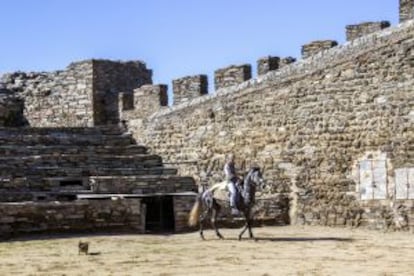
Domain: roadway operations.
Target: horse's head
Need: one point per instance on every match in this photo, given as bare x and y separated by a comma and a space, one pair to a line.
256, 178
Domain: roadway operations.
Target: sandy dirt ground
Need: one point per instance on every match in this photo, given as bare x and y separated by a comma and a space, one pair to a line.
288, 250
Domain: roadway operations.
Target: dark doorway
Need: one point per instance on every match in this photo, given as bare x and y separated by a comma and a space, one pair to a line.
65, 183
160, 214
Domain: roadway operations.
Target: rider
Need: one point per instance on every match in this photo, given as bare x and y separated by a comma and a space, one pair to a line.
232, 181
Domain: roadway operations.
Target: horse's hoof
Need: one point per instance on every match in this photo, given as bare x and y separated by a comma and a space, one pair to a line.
240, 238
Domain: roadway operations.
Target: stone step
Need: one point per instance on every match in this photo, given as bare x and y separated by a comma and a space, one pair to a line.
100, 130
133, 171
8, 163
56, 171
28, 184
142, 184
138, 184
66, 139
19, 150
19, 196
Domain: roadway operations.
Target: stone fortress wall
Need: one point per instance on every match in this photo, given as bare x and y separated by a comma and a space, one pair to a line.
333, 131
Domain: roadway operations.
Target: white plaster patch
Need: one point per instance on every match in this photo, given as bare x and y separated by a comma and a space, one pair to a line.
309, 151
411, 115
381, 100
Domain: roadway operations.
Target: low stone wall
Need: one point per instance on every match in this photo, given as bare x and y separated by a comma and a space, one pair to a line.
182, 208
272, 210
142, 184
269, 210
75, 216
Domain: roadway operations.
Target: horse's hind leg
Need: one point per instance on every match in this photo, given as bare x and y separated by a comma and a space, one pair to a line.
215, 211
202, 217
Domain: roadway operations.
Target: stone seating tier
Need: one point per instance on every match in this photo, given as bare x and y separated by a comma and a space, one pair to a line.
18, 150
43, 164
56, 171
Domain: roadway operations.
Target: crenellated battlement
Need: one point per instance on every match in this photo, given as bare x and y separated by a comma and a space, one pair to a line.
232, 75
96, 92
406, 10
143, 102
365, 28
188, 88
266, 64
316, 47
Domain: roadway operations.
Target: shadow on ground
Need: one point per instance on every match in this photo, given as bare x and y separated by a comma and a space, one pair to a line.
294, 239
307, 239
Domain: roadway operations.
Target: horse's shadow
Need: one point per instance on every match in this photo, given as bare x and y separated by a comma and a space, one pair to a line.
303, 239
296, 239
94, 253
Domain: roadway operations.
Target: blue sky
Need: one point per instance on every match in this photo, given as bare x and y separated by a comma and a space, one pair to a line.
175, 38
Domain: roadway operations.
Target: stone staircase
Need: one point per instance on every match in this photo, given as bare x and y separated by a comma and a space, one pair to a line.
45, 164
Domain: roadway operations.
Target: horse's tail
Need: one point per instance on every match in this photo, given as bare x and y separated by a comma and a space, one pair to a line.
195, 212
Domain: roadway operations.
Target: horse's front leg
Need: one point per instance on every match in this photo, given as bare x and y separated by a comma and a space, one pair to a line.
214, 215
247, 226
250, 228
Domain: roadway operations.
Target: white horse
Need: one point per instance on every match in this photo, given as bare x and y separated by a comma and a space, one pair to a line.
206, 203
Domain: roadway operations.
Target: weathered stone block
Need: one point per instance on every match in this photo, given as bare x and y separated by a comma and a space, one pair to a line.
358, 30
317, 46
286, 61
188, 88
232, 75
406, 10
267, 64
